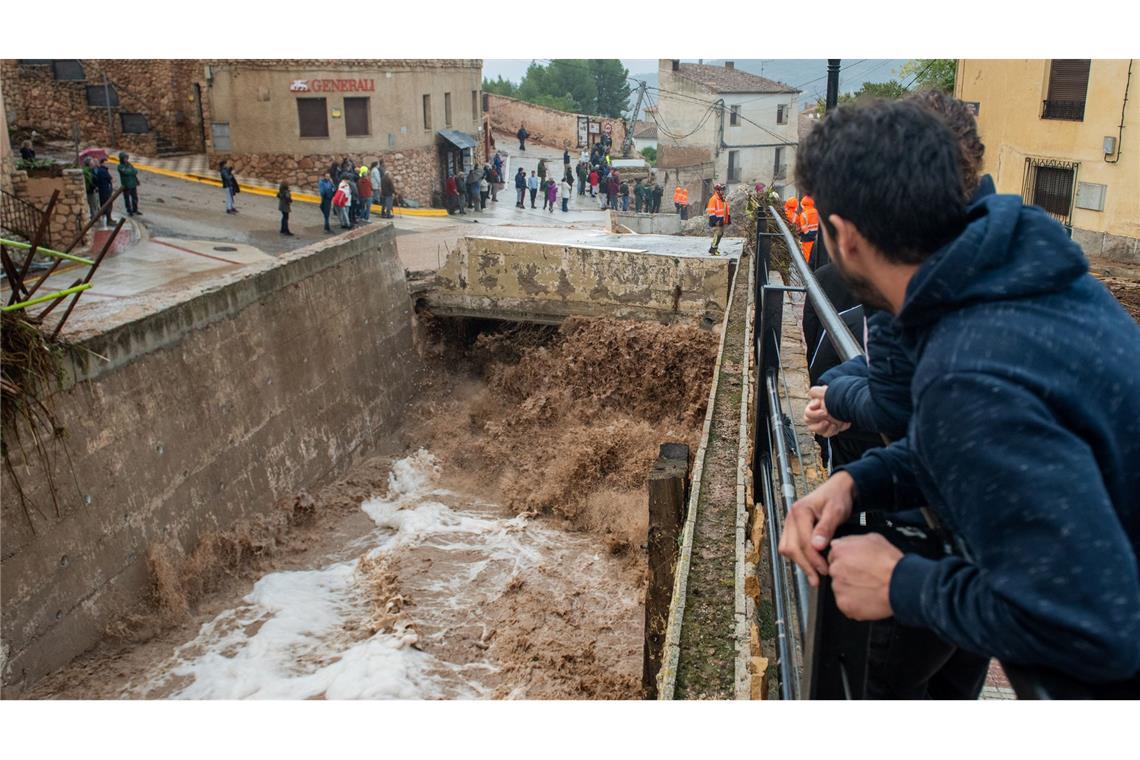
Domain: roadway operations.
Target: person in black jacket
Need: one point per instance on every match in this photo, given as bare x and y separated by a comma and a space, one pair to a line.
522, 134
105, 186
1020, 437
229, 184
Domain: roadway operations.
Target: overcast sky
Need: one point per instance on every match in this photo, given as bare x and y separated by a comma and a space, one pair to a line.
514, 68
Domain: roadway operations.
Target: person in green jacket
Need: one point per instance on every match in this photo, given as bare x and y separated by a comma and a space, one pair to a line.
89, 187
638, 196
129, 181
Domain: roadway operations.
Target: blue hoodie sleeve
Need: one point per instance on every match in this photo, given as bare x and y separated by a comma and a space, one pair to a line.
854, 367
884, 478
1052, 579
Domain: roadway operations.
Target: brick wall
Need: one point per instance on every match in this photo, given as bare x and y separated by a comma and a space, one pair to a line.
545, 125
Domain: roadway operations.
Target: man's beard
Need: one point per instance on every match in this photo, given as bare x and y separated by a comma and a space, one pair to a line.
860, 286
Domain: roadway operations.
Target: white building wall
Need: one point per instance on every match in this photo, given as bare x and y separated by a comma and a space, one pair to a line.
683, 106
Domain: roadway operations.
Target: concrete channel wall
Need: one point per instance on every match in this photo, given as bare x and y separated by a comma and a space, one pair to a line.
201, 414
547, 282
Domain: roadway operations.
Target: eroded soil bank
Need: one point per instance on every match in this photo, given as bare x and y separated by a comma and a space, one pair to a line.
499, 553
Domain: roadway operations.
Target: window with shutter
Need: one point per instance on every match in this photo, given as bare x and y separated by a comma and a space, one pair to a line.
312, 115
356, 117
1050, 184
134, 123
1068, 87
99, 96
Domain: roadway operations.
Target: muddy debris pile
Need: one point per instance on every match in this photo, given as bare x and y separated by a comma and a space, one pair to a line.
569, 424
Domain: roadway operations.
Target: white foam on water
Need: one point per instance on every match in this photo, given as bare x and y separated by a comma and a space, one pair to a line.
304, 634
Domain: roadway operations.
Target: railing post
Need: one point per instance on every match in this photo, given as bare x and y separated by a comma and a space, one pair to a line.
667, 485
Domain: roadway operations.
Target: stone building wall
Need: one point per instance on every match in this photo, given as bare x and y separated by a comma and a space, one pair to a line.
70, 212
545, 125
160, 89
416, 171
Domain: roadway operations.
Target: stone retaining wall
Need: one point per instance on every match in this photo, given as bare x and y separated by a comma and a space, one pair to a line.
545, 125
222, 401
417, 171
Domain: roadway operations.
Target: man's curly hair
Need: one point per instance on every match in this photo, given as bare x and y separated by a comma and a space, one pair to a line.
961, 122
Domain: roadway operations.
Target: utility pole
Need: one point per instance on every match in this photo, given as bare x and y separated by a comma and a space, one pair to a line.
832, 83
110, 119
627, 143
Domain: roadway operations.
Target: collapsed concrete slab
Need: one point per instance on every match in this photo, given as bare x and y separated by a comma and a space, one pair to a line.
670, 280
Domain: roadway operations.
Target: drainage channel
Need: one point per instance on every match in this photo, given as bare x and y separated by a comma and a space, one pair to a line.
499, 555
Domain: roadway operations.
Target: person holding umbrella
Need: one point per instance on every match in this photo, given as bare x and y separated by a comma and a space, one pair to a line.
105, 187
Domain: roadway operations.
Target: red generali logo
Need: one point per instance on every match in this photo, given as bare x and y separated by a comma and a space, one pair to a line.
333, 85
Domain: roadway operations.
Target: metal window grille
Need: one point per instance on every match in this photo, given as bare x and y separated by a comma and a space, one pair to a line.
1050, 184
133, 123
1068, 89
99, 96
68, 71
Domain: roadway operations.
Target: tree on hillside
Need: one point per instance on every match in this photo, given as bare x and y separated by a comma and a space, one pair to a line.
611, 81
571, 84
891, 90
500, 87
649, 153
930, 74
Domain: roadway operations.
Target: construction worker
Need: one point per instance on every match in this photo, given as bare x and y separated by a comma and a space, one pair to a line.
718, 214
808, 223
790, 209
681, 201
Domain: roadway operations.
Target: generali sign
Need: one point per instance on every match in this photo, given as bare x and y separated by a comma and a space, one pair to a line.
333, 85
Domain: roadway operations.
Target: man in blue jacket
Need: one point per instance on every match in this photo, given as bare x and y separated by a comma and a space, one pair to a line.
1026, 421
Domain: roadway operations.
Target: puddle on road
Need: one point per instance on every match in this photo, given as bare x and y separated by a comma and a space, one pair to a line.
449, 598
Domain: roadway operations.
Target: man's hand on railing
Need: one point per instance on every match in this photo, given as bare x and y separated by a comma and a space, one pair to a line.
861, 568
816, 417
812, 522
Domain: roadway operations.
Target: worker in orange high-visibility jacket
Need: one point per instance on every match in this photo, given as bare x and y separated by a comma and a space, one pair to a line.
790, 206
808, 222
718, 214
681, 201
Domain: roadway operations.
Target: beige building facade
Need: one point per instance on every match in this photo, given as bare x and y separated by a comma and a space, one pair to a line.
1063, 134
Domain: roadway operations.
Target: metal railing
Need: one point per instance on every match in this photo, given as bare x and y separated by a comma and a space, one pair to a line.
20, 217
797, 604
1069, 110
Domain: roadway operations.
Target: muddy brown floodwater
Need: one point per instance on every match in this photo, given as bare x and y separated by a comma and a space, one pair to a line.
500, 554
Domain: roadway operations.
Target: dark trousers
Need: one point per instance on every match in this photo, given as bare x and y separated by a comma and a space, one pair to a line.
131, 199
581, 187
284, 221
522, 144
533, 194
565, 204
103, 198
483, 199
326, 208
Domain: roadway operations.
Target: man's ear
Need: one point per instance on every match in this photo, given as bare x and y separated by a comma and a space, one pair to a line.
847, 237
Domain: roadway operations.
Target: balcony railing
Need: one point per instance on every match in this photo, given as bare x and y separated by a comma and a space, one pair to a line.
1067, 110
